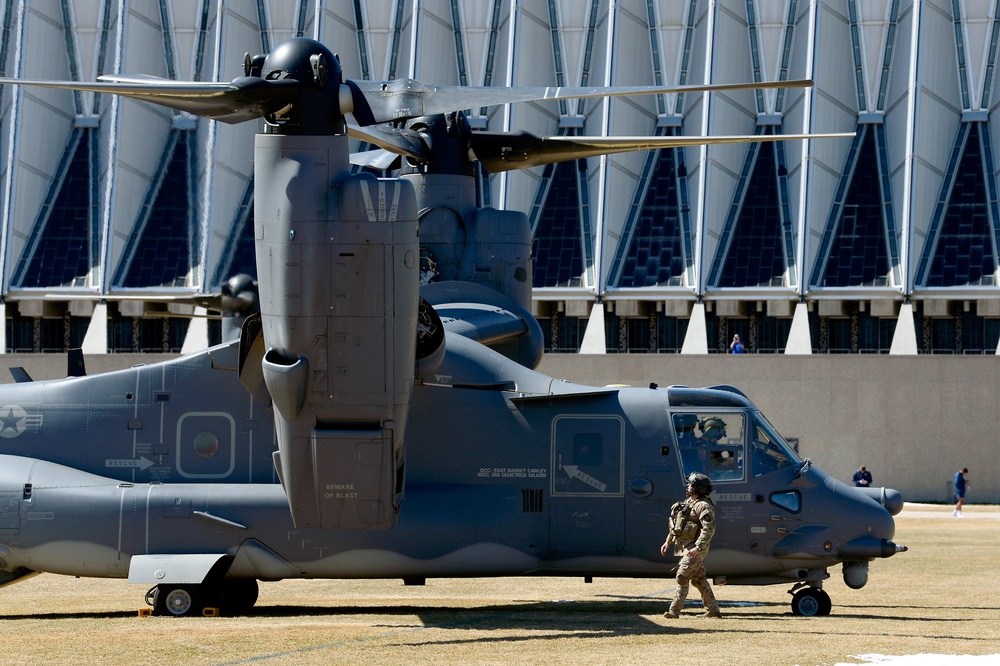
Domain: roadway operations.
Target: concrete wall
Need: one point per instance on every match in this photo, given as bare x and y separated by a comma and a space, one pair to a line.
912, 420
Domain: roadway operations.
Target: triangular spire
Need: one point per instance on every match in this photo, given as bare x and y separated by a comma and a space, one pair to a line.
977, 51
873, 28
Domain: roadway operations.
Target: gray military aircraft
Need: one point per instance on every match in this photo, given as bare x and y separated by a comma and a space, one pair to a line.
393, 425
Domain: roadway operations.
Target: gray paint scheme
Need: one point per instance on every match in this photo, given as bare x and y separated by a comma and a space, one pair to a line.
459, 461
470, 507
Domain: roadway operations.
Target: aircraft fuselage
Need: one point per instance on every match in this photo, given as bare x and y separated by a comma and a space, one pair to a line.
565, 480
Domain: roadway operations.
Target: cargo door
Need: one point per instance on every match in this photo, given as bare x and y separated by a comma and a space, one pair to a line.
587, 493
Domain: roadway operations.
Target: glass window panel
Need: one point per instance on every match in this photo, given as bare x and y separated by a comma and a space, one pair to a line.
858, 256
789, 500
710, 443
655, 256
755, 257
769, 451
163, 257
62, 257
556, 248
964, 253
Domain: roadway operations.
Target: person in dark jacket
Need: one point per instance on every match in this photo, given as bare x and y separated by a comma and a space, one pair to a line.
863, 478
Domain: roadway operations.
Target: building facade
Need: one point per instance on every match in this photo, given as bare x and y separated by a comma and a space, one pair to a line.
116, 214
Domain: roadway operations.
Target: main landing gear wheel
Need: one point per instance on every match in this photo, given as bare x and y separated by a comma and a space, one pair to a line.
810, 602
232, 596
176, 600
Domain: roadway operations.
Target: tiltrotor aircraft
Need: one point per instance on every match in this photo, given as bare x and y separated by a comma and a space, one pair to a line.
392, 424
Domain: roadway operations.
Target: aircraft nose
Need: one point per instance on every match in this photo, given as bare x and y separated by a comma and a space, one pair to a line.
873, 526
868, 527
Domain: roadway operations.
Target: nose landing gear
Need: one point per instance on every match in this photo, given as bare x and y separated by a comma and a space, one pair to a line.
809, 601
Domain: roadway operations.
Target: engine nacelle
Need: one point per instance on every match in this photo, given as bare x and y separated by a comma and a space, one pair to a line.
338, 264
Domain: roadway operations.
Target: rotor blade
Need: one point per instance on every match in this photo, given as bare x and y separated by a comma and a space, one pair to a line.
406, 98
499, 151
380, 158
397, 140
245, 98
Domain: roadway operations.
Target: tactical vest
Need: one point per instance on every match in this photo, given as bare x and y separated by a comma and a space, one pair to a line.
684, 526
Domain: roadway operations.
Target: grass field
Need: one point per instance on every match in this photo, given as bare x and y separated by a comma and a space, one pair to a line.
940, 597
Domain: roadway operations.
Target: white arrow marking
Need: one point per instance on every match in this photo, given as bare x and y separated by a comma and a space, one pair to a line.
142, 462
574, 473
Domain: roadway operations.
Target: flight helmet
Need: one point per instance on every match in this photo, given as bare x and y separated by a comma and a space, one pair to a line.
700, 484
683, 422
713, 428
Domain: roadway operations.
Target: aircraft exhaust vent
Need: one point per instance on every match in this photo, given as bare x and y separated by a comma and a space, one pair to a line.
531, 500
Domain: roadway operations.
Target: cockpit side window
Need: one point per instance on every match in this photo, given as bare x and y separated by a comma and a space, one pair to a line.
711, 443
789, 500
769, 451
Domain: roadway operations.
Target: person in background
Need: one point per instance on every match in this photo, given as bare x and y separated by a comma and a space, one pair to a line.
961, 485
736, 346
863, 478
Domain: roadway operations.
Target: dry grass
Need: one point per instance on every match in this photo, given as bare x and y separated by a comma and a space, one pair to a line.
940, 597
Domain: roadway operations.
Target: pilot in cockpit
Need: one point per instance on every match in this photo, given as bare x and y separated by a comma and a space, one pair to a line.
684, 424
688, 443
713, 430
724, 458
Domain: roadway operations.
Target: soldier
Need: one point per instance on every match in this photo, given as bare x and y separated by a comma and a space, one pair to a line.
692, 524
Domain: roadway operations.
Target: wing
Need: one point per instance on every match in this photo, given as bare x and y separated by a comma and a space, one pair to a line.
488, 317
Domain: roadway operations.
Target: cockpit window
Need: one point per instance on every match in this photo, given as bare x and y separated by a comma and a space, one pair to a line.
711, 443
768, 451
789, 500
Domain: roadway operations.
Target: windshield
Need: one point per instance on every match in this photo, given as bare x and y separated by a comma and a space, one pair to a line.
768, 451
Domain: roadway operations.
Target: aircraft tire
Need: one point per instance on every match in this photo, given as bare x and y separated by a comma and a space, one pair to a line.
811, 602
232, 596
177, 600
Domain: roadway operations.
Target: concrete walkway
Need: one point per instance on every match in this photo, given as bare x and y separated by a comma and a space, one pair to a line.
970, 512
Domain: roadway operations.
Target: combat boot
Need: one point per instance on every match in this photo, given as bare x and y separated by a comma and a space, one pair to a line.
711, 613
674, 611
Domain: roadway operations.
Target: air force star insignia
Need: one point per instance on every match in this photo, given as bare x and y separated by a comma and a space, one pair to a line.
12, 421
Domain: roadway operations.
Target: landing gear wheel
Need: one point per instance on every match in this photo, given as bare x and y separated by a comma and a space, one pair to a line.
811, 602
176, 600
232, 596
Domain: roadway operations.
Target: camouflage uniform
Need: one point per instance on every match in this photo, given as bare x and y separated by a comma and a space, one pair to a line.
692, 524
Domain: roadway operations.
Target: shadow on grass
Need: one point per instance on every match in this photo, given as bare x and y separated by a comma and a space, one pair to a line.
81, 615
614, 615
